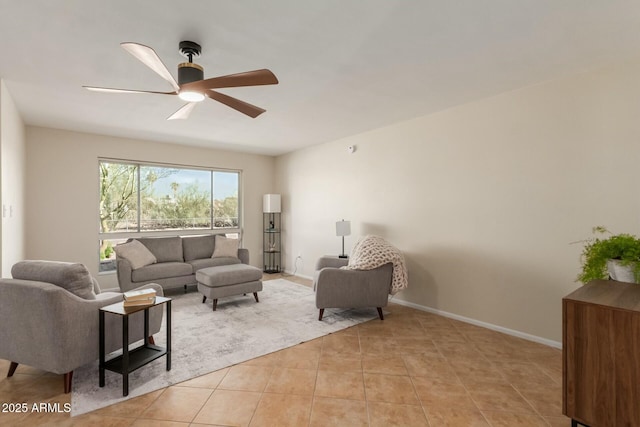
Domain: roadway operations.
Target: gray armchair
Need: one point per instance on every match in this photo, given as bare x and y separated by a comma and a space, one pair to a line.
48, 327
337, 288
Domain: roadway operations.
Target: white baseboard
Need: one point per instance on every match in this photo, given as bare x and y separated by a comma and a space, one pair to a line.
493, 327
512, 332
291, 273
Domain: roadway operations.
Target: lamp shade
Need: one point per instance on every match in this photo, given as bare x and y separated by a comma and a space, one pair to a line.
271, 203
343, 228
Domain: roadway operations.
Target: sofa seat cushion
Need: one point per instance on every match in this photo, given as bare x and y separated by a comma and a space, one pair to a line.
161, 271
225, 275
197, 247
74, 277
165, 249
199, 264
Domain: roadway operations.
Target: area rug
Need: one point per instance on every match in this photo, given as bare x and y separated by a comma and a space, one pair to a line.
204, 340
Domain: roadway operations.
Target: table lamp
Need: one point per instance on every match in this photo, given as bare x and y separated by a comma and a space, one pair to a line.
343, 228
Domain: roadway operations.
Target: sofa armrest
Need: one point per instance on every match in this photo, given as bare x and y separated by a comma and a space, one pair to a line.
243, 254
124, 270
338, 288
331, 261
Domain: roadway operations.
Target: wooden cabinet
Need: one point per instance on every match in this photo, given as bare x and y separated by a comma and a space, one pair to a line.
601, 354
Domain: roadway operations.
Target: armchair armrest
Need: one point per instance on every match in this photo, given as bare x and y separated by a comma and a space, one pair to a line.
330, 261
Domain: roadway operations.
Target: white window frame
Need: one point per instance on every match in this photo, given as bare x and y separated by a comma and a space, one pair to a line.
118, 235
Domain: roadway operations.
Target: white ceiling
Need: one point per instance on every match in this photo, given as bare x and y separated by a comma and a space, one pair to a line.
345, 66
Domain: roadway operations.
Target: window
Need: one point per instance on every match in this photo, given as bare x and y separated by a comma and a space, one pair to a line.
140, 198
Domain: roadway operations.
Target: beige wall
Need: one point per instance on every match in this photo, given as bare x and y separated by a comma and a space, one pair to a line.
62, 190
484, 199
12, 179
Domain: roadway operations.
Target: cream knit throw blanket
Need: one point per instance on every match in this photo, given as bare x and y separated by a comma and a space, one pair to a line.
372, 252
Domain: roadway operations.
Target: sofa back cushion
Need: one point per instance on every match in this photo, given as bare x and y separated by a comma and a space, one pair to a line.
197, 247
74, 277
165, 249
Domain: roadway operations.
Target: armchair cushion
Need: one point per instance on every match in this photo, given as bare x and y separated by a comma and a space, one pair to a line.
136, 253
74, 277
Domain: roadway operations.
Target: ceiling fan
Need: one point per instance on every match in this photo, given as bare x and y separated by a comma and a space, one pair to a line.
191, 85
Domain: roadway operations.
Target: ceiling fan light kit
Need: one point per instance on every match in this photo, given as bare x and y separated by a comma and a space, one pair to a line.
189, 96
191, 86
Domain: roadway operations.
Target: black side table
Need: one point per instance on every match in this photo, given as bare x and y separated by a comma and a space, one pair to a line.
130, 360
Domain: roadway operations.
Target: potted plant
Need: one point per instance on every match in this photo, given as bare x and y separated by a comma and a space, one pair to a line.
617, 256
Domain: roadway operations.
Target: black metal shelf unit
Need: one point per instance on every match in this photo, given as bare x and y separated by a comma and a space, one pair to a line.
271, 247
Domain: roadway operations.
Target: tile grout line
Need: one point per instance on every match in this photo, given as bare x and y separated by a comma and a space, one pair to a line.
148, 406
315, 383
210, 394
364, 386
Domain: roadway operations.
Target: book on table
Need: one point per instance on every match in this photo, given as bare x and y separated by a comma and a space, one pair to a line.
139, 302
141, 294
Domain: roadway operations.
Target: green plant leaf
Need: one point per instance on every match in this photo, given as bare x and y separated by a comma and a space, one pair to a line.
596, 252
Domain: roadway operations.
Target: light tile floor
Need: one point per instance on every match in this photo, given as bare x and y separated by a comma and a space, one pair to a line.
412, 369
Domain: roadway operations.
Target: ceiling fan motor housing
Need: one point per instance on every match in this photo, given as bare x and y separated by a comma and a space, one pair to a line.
189, 72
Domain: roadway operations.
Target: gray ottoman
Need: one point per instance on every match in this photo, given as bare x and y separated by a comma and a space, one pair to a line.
227, 280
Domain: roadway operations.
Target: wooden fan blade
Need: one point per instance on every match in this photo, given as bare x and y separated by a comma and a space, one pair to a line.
111, 90
236, 104
150, 58
183, 112
250, 78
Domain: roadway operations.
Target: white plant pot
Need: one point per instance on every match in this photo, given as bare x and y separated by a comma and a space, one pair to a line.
619, 272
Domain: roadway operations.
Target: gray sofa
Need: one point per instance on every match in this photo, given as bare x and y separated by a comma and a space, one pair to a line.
338, 288
177, 260
49, 318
